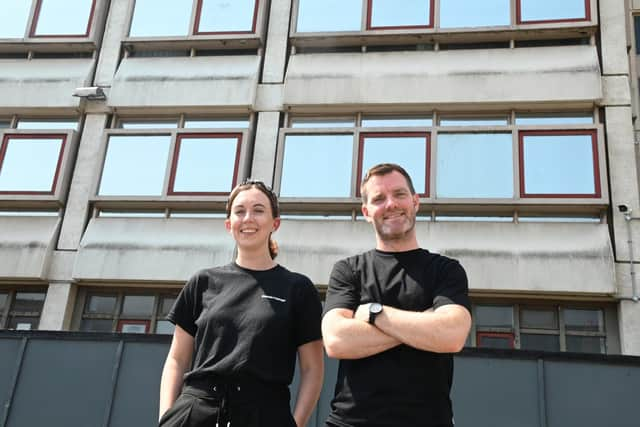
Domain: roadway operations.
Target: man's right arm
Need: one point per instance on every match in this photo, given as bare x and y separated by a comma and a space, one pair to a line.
348, 338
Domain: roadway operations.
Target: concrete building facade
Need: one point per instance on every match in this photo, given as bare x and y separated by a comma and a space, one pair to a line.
124, 124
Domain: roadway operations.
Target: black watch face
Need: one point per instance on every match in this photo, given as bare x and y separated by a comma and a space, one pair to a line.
375, 308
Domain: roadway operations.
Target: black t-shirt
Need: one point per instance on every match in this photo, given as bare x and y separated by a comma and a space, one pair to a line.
247, 322
402, 386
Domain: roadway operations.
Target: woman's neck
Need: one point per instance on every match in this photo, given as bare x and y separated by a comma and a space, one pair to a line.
252, 261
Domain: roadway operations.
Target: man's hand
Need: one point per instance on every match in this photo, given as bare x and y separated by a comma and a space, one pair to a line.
362, 312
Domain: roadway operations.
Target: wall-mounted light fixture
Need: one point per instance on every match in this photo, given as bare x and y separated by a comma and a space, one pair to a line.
92, 93
626, 211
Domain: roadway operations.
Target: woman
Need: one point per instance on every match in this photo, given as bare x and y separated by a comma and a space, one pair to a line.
238, 329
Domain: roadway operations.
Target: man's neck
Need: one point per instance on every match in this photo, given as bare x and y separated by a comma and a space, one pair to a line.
400, 245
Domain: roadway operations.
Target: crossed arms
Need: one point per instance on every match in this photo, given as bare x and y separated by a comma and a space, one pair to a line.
348, 334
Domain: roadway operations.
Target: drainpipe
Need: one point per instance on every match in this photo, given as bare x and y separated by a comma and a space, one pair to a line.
628, 218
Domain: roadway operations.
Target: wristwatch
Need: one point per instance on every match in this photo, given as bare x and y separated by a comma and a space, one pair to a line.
375, 308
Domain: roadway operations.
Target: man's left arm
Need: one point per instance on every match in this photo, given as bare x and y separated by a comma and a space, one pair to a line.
443, 330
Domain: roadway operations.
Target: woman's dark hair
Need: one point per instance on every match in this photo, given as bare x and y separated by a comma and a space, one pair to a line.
248, 184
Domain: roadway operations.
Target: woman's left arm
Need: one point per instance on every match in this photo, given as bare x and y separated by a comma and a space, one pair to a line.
311, 359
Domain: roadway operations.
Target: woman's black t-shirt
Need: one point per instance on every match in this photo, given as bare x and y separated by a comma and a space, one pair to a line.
247, 322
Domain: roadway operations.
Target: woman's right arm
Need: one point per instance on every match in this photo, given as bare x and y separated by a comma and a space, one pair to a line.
177, 363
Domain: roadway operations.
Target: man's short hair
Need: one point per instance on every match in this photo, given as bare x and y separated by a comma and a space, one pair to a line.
384, 169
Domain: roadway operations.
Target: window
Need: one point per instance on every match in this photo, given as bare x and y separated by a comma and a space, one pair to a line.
30, 163
420, 15
504, 157
317, 166
559, 164
540, 327
537, 11
471, 13
385, 14
51, 18
474, 165
153, 18
411, 150
126, 312
205, 163
154, 158
20, 309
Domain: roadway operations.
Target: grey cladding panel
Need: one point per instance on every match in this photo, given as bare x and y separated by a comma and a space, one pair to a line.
139, 375
9, 353
67, 382
495, 392
590, 395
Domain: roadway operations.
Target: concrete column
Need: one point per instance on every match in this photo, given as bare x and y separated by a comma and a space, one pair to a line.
623, 178
58, 306
277, 36
116, 29
629, 318
613, 18
87, 168
264, 153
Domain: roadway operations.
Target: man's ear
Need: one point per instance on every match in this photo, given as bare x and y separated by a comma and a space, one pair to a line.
365, 212
416, 202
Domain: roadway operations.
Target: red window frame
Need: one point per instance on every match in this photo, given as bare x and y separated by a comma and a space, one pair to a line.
427, 154
56, 175
176, 155
587, 15
36, 16
596, 164
399, 27
480, 335
122, 322
196, 25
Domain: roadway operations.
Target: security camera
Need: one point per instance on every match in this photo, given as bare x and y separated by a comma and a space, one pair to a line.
624, 208
93, 93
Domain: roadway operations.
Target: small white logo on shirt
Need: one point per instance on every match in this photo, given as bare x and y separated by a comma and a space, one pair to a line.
274, 298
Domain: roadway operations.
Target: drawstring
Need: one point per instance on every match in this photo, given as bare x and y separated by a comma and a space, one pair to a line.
223, 408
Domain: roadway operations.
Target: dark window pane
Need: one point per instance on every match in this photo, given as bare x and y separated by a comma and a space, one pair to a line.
317, 166
494, 316
101, 304
30, 163
96, 325
410, 152
583, 320
205, 164
137, 305
636, 24
27, 302
552, 10
539, 342
538, 319
386, 13
585, 344
218, 16
63, 17
165, 306
495, 342
473, 13
23, 323
164, 327
558, 164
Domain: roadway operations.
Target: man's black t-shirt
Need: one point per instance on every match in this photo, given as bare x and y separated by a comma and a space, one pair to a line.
402, 386
247, 322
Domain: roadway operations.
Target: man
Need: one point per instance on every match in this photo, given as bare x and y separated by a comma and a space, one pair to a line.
393, 316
